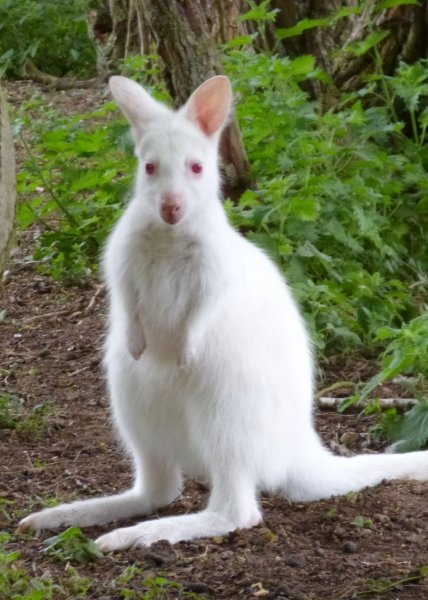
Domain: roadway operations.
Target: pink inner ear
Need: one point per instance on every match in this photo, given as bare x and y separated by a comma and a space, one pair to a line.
209, 105
210, 120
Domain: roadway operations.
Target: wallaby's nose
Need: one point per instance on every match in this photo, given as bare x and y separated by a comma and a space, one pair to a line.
171, 208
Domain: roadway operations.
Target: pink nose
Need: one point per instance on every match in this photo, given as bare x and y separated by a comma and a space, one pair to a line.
171, 208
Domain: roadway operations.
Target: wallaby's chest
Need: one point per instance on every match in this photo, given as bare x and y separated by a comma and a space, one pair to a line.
168, 275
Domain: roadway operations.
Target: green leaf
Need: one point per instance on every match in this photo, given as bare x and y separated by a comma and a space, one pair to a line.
391, 3
241, 40
86, 181
303, 65
259, 12
301, 27
306, 209
305, 24
372, 40
424, 571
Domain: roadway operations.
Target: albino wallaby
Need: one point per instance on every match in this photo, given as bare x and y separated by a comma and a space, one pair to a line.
208, 360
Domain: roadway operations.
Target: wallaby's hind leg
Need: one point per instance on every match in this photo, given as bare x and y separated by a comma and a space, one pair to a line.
157, 480
157, 484
232, 504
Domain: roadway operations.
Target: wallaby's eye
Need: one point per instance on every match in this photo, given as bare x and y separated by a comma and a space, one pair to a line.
196, 168
150, 168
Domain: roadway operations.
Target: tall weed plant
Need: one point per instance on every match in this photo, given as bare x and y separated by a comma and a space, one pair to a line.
341, 196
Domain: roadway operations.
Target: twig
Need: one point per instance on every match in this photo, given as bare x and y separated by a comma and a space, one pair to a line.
333, 403
100, 288
53, 313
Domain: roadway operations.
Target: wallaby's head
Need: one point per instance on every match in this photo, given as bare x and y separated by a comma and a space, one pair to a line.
177, 150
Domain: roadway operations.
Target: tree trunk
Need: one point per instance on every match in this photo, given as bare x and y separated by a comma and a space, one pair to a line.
186, 35
7, 185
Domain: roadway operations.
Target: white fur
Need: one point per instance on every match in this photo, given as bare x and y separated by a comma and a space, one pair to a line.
208, 360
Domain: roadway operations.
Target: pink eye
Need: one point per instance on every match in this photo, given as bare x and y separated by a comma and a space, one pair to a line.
196, 168
150, 168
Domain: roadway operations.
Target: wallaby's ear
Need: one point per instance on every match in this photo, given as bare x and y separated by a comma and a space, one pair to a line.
210, 104
136, 104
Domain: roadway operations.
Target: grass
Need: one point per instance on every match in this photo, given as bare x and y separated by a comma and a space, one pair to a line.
17, 581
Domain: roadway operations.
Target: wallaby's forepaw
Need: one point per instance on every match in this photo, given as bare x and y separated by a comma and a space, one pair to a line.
136, 342
186, 356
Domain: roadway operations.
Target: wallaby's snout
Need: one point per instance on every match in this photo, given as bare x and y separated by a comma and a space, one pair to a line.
172, 208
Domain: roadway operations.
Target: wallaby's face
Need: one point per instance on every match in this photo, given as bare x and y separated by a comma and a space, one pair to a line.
177, 167
177, 151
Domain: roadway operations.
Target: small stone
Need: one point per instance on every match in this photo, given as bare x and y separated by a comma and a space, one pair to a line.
349, 547
160, 554
282, 592
298, 562
198, 587
381, 518
340, 532
350, 439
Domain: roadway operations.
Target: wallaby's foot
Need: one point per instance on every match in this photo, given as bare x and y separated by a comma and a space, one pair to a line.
172, 529
85, 513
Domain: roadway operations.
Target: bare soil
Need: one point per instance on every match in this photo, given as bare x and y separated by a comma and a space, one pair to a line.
366, 545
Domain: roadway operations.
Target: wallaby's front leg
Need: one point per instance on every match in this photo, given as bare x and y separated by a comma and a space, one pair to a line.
135, 338
157, 484
193, 331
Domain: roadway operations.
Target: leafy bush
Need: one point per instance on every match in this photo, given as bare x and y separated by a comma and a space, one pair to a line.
53, 33
340, 201
405, 353
74, 189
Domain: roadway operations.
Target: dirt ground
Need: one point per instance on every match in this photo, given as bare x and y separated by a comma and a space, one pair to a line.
366, 545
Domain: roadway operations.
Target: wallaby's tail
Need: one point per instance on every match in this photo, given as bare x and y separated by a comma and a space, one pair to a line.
318, 474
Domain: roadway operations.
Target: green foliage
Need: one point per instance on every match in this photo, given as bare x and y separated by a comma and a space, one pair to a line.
335, 201
15, 583
74, 184
152, 588
383, 585
52, 33
33, 425
10, 407
389, 421
413, 433
72, 545
362, 522
306, 24
406, 353
30, 425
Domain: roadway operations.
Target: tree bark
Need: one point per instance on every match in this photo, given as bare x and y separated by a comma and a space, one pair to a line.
186, 36
7, 185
